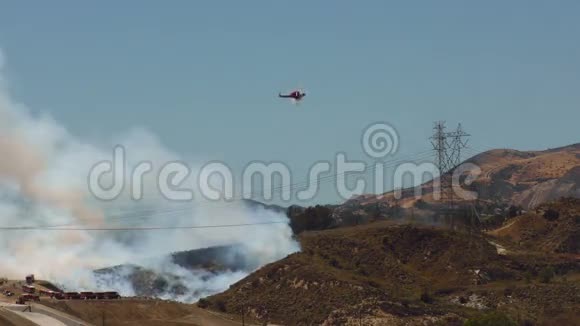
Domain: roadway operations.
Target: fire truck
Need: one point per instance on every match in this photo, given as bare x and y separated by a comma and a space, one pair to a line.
30, 279
28, 288
88, 295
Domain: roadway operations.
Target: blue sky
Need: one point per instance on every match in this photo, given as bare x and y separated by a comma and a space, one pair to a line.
204, 75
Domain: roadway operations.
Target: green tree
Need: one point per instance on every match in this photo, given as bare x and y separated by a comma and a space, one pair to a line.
312, 218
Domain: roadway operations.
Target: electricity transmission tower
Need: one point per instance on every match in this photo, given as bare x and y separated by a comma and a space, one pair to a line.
447, 147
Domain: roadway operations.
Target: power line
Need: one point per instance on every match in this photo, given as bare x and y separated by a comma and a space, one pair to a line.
447, 147
145, 228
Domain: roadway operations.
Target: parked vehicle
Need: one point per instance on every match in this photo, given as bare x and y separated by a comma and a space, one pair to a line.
72, 295
28, 288
88, 295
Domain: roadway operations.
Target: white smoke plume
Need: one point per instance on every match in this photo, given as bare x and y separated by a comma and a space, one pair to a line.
43, 182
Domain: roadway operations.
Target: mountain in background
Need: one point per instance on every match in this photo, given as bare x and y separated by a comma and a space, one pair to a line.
511, 182
519, 178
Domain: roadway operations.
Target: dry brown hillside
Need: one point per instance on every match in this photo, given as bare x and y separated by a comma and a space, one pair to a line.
521, 178
553, 227
395, 274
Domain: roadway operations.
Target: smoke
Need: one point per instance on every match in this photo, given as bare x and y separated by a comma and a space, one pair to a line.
43, 183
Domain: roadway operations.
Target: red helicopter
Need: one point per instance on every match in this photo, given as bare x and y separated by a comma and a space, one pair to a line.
296, 95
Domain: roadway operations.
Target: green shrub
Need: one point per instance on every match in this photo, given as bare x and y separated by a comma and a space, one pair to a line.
312, 218
426, 296
551, 214
546, 274
203, 303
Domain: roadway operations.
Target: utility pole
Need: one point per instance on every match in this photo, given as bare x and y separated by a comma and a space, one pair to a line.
103, 318
447, 147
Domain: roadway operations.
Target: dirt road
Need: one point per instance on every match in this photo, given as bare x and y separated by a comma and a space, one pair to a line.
36, 314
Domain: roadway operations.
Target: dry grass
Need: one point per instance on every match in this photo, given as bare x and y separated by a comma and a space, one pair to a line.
123, 311
369, 270
538, 232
